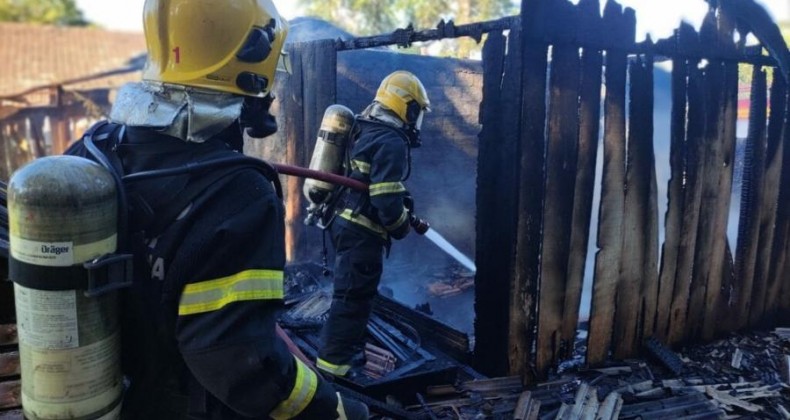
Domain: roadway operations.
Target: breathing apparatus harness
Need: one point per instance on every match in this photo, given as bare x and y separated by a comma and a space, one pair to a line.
328, 211
119, 265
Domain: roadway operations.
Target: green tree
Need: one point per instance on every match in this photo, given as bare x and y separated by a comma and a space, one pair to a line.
369, 17
60, 12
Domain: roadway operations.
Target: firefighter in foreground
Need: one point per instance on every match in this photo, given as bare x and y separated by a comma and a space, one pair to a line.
199, 335
365, 222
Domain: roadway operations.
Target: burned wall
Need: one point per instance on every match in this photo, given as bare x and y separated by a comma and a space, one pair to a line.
444, 169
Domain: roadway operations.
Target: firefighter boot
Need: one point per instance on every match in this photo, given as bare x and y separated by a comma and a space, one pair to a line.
348, 409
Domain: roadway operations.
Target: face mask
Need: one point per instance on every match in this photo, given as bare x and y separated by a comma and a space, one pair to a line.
255, 118
413, 134
413, 131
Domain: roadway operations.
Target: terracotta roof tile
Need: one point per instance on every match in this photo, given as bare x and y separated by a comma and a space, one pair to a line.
38, 55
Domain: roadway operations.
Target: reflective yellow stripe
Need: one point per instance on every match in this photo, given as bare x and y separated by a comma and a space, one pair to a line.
360, 166
301, 394
363, 221
212, 295
337, 370
403, 218
386, 188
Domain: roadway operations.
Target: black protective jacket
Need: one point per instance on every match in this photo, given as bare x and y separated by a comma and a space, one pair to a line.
199, 321
379, 157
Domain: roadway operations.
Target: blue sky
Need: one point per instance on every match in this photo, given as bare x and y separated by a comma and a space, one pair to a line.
659, 17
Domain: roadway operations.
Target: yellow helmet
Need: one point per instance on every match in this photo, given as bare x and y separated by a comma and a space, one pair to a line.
403, 93
231, 46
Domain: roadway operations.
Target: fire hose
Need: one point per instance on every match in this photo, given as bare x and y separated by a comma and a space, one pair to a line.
420, 226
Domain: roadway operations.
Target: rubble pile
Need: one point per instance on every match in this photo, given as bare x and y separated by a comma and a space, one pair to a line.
394, 347
744, 376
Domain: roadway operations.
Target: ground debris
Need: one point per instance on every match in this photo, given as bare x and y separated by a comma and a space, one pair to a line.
743, 376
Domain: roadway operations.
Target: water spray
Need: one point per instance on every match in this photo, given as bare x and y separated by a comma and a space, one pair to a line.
420, 226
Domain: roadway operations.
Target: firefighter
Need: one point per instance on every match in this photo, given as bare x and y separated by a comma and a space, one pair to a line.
199, 338
365, 222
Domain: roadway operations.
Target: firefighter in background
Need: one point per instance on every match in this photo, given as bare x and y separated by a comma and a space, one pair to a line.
365, 222
199, 336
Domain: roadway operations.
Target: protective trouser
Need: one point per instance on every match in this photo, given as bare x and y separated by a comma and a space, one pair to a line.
358, 267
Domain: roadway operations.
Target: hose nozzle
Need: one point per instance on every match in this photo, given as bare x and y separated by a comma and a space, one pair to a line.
419, 225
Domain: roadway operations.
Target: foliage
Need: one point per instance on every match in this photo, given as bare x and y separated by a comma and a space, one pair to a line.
370, 17
61, 12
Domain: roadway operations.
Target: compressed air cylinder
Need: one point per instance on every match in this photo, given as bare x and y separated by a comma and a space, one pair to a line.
329, 152
63, 212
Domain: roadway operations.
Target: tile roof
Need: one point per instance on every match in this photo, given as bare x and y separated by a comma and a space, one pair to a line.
33, 55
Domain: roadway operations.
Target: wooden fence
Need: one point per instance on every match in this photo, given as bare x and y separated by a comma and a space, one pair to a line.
541, 116
541, 128
32, 132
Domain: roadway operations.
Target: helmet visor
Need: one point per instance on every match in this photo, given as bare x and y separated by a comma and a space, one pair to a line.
418, 123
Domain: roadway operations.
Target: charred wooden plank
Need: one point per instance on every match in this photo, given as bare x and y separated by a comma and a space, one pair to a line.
668, 358
675, 189
7, 310
638, 291
317, 77
12, 415
777, 185
781, 263
717, 193
293, 109
527, 407
406, 36
695, 152
9, 364
607, 263
10, 394
496, 156
667, 407
530, 193
433, 332
589, 128
585, 403
8, 335
493, 385
610, 407
561, 157
753, 171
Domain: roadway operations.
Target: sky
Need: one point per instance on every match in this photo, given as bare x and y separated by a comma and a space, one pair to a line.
657, 17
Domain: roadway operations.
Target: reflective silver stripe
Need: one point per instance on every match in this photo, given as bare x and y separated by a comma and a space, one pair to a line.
360, 166
403, 218
386, 188
363, 221
301, 394
337, 370
212, 295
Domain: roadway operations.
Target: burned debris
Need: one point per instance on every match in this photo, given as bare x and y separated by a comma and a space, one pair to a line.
10, 385
707, 385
